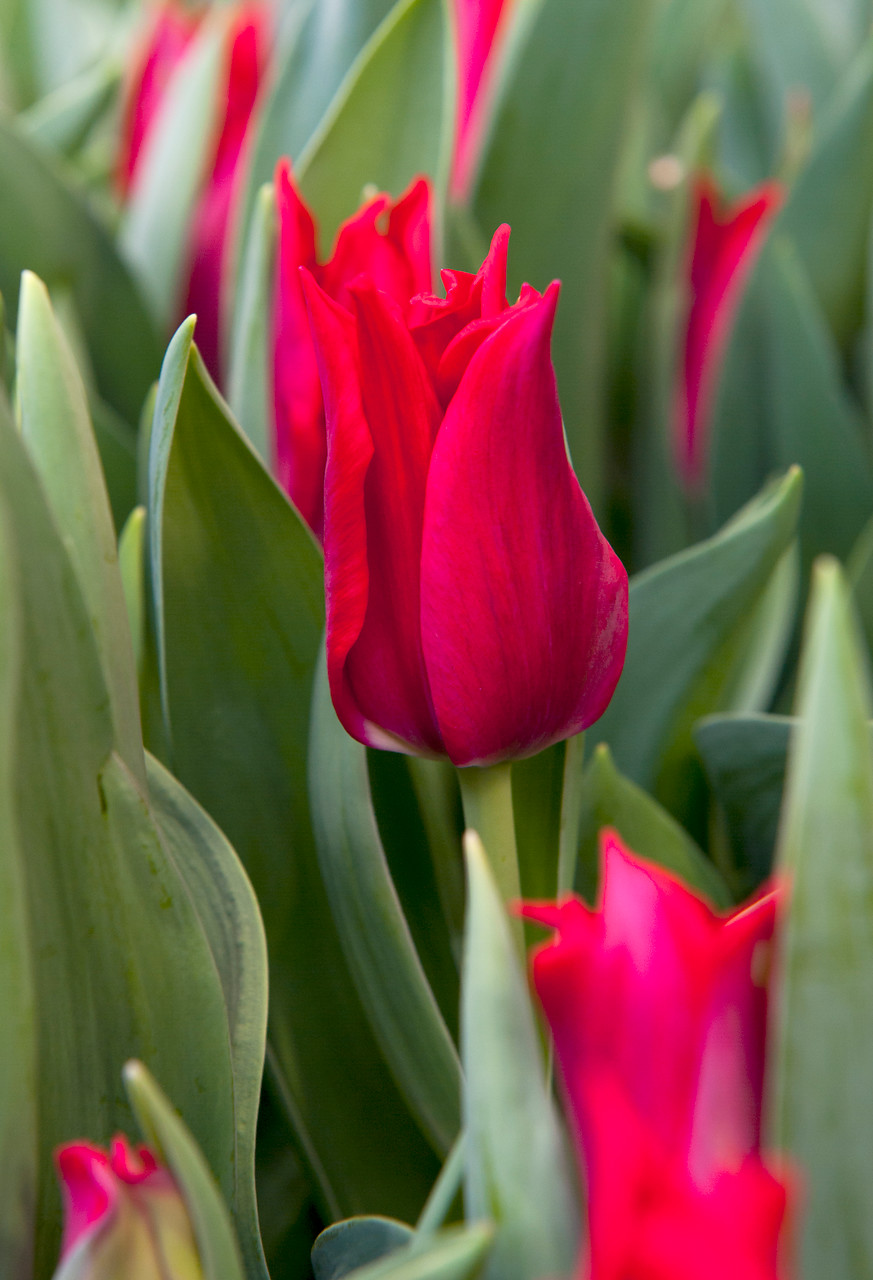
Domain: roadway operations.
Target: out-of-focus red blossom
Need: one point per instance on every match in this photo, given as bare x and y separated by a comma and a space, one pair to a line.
474, 608
480, 27
167, 41
723, 249
391, 242
658, 1009
124, 1215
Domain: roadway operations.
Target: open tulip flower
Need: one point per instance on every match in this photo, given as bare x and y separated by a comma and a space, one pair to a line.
724, 247
163, 55
123, 1217
474, 608
391, 242
658, 1006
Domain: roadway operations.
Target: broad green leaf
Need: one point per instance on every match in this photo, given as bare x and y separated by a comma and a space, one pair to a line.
373, 930
175, 1147
808, 416
517, 1167
18, 1049
63, 119
250, 377
231, 919
744, 758
390, 121
693, 634
318, 51
859, 570
820, 1111
120, 962
454, 1254
827, 215
354, 1243
56, 426
551, 172
238, 598
50, 228
157, 216
68, 36
609, 800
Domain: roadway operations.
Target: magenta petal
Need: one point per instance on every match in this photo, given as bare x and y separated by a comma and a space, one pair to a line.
391, 244
479, 25
299, 435
723, 254
89, 1190
385, 667
523, 602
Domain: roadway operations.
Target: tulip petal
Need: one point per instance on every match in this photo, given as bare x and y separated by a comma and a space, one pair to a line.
381, 417
298, 439
389, 243
386, 666
208, 235
480, 27
523, 601
89, 1190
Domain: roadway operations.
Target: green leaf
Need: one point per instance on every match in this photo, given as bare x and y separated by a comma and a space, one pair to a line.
551, 173
354, 1243
229, 914
317, 54
808, 416
455, 1254
609, 800
827, 214
18, 1048
238, 597
517, 1167
820, 1113
63, 119
49, 227
56, 426
157, 217
373, 930
700, 604
120, 962
131, 565
537, 790
250, 377
175, 1147
744, 758
390, 121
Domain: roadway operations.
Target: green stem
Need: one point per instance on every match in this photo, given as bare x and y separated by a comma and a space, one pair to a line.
437, 794
487, 797
571, 813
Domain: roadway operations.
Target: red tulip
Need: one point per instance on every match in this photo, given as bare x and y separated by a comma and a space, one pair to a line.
658, 1007
124, 1215
474, 608
162, 57
480, 27
724, 248
391, 242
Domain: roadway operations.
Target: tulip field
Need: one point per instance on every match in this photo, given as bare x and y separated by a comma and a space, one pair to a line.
436, 626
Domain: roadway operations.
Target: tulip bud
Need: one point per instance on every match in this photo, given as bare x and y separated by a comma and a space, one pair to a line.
123, 1217
474, 608
723, 251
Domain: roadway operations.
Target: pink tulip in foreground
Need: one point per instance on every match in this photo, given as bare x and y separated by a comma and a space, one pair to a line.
474, 608
391, 242
167, 42
724, 249
123, 1216
658, 1010
480, 27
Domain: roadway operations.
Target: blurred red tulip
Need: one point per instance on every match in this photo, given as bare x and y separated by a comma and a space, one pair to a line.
480, 27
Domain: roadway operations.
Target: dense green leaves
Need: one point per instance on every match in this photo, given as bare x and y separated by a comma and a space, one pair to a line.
355, 1242
50, 228
372, 928
517, 1169
821, 1112
238, 599
697, 646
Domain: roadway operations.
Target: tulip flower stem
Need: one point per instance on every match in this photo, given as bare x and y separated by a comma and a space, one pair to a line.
571, 813
487, 797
